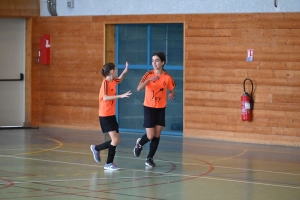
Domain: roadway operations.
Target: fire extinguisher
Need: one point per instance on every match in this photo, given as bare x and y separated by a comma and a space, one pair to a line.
247, 103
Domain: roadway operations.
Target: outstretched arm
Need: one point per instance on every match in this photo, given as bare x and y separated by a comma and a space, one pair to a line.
121, 77
125, 95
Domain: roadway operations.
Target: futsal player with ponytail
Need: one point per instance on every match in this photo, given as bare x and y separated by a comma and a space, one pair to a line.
156, 82
107, 113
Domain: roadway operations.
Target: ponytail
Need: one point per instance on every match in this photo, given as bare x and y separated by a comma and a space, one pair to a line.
106, 69
102, 72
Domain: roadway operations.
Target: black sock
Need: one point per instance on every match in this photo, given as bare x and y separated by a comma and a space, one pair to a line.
103, 146
153, 147
111, 154
144, 140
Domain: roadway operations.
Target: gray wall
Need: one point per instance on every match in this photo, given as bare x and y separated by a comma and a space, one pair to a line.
12, 63
121, 7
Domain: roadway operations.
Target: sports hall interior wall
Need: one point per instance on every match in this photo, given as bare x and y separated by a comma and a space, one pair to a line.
65, 93
19, 8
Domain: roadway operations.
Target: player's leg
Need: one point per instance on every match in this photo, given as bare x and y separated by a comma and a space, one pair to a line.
115, 140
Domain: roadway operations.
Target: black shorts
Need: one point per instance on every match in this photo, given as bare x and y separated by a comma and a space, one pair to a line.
154, 116
109, 123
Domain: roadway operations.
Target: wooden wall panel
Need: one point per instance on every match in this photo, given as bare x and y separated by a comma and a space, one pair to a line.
28, 61
110, 43
35, 86
19, 8
68, 87
216, 52
214, 70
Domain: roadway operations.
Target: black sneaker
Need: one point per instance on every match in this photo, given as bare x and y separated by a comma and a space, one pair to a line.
138, 148
149, 162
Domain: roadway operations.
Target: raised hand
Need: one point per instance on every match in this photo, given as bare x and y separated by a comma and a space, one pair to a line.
126, 68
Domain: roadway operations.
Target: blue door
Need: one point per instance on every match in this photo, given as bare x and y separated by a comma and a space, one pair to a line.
135, 44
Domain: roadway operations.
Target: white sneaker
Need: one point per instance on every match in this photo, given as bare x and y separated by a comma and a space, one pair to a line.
110, 166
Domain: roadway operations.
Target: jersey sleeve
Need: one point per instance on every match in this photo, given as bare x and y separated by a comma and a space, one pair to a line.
117, 81
146, 76
171, 83
104, 88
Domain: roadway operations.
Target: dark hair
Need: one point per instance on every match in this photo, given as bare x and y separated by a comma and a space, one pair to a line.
106, 69
161, 55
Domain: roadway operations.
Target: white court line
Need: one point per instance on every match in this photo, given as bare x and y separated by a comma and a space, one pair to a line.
196, 164
165, 175
236, 148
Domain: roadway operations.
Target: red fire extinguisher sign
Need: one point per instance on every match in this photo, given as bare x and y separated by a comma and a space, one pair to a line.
45, 49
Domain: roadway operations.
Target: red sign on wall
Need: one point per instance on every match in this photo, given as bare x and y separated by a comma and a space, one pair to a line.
45, 49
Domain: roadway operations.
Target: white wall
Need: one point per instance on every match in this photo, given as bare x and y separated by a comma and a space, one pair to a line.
130, 7
12, 63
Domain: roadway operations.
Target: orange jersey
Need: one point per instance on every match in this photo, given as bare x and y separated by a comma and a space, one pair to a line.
156, 91
109, 88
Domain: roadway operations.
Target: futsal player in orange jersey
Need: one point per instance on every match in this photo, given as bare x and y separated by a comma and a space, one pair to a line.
156, 83
107, 113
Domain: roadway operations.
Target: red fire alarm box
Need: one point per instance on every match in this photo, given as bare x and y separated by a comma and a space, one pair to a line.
45, 49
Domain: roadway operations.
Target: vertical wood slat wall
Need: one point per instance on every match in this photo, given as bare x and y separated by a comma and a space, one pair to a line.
214, 70
68, 88
19, 8
65, 93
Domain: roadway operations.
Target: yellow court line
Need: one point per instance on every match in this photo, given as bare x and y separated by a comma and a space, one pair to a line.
60, 144
226, 158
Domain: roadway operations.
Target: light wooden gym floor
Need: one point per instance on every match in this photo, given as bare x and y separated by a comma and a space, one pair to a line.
53, 163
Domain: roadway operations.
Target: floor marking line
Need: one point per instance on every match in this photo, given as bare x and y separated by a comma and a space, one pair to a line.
168, 175
11, 183
215, 166
172, 174
226, 158
60, 144
165, 174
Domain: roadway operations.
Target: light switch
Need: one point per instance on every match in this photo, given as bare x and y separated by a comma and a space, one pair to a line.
70, 3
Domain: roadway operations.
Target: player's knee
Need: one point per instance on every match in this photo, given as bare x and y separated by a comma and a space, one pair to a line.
116, 141
150, 137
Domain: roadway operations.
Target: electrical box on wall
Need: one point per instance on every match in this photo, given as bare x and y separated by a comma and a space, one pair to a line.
70, 3
44, 53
